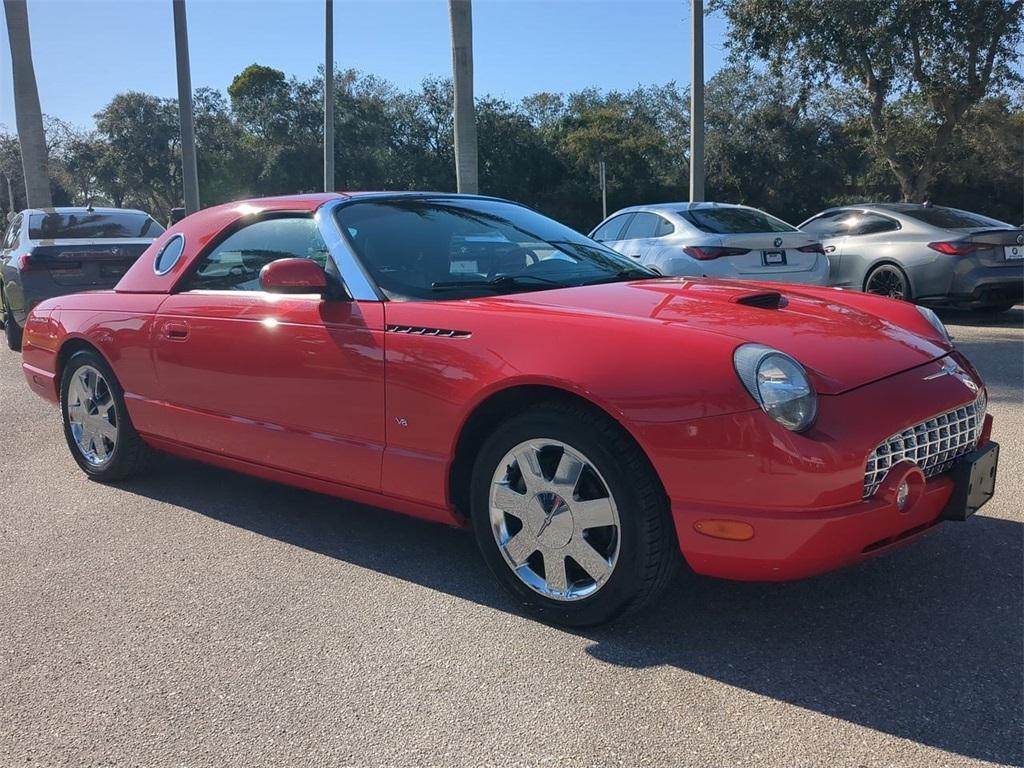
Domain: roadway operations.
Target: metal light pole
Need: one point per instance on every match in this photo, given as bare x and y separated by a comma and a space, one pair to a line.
604, 189
189, 174
328, 95
697, 105
460, 14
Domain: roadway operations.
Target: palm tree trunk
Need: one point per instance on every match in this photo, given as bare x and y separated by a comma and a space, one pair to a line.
189, 174
328, 95
461, 15
28, 115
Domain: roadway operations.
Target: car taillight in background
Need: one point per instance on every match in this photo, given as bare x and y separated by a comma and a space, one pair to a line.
707, 253
961, 248
812, 248
25, 261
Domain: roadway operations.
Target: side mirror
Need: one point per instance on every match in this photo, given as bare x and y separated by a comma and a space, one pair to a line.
293, 276
10, 216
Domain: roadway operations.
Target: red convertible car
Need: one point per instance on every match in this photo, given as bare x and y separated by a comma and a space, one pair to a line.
469, 361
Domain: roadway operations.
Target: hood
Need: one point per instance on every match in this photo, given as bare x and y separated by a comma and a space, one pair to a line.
843, 339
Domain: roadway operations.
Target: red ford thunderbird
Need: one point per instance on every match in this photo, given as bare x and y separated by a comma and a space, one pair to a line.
469, 361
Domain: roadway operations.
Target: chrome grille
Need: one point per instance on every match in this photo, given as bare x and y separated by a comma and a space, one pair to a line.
933, 445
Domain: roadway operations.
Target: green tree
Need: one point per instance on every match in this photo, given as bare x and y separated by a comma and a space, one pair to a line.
949, 54
143, 137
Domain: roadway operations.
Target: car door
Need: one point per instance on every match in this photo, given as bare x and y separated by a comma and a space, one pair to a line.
293, 382
832, 228
610, 233
869, 239
639, 237
11, 239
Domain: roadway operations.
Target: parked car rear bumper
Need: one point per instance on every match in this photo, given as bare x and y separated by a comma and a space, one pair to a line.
976, 285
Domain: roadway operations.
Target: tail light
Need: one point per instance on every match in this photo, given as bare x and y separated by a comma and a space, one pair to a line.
813, 248
25, 261
707, 253
961, 248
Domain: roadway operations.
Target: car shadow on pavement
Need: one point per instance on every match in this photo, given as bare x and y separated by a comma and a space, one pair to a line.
923, 644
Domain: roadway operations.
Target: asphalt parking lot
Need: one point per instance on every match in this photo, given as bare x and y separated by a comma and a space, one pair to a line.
200, 618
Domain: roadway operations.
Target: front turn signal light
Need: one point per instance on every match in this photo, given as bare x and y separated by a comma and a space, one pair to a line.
733, 530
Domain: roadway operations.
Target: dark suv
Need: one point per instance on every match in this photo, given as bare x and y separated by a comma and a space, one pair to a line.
54, 251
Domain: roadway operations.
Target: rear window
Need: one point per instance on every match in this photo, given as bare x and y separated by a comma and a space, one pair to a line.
734, 221
951, 218
57, 226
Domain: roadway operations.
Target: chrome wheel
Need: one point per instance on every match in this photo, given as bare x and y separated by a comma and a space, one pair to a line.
554, 519
887, 281
92, 416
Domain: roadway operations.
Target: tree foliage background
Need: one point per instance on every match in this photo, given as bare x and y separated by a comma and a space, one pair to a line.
782, 134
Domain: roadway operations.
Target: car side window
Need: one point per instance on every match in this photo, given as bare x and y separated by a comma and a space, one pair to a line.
235, 264
643, 225
611, 230
873, 224
665, 227
828, 224
11, 238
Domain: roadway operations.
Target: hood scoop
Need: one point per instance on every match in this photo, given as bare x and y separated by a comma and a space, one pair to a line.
764, 300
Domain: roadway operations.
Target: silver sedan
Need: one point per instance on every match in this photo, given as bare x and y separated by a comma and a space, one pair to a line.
715, 240
922, 252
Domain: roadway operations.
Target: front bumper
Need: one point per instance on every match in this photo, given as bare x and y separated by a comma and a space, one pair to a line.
796, 545
801, 496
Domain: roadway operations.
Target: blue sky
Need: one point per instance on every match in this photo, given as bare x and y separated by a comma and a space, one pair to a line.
87, 51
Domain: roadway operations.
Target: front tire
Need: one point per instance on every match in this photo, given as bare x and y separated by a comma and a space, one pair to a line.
97, 427
571, 517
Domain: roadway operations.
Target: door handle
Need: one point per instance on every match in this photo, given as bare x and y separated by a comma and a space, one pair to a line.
830, 249
634, 255
176, 331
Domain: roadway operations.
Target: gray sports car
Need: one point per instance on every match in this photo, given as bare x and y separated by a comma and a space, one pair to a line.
922, 252
54, 251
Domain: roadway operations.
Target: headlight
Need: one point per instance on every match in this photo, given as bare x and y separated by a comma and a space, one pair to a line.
932, 318
779, 384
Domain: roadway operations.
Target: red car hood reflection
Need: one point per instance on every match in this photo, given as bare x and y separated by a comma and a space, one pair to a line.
842, 346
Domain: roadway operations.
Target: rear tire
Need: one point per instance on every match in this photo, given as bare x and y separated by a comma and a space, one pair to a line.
97, 427
619, 525
12, 331
888, 280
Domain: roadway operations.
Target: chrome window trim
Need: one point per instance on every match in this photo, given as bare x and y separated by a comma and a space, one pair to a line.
171, 239
357, 280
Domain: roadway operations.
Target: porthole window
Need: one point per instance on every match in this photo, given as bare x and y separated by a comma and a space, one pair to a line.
169, 255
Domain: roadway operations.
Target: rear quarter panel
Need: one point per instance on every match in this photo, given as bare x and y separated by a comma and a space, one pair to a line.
117, 325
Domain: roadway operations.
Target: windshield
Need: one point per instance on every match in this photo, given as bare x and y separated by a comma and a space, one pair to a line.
445, 248
951, 218
734, 221
58, 226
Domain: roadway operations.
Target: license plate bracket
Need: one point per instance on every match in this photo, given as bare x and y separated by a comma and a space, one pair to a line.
974, 482
773, 258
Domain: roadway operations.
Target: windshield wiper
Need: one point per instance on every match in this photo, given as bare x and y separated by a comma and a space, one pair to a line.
497, 283
631, 273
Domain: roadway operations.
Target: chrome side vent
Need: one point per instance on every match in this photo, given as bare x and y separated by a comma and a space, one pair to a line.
415, 330
766, 300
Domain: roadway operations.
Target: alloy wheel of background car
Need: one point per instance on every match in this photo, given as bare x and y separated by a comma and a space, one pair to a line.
97, 427
888, 280
91, 415
584, 534
554, 520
